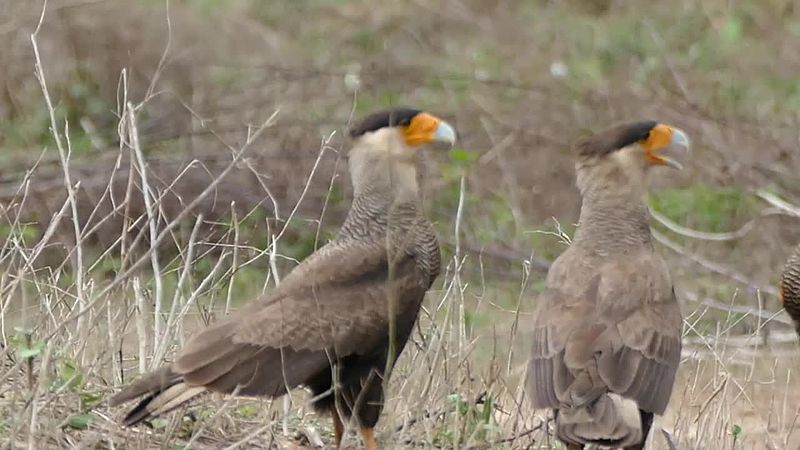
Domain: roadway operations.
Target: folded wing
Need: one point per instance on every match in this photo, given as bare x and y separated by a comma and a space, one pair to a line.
620, 334
336, 303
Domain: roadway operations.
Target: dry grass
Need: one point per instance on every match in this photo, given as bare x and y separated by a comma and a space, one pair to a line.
155, 173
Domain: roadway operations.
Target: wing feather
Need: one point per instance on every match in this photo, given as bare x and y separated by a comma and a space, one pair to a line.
624, 324
324, 309
334, 304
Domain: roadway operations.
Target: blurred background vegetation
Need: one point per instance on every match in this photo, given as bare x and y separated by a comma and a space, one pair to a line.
520, 80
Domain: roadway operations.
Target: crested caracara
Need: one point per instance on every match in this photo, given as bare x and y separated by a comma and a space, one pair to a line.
343, 315
789, 291
607, 328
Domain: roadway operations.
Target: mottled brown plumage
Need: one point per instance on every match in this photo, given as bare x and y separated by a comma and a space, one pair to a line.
330, 317
790, 288
607, 329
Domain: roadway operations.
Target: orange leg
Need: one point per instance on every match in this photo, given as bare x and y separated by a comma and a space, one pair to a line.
369, 438
338, 428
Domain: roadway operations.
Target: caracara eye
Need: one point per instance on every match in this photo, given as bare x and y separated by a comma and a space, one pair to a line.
645, 137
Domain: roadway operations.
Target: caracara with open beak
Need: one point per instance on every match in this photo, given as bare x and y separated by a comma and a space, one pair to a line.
607, 329
339, 320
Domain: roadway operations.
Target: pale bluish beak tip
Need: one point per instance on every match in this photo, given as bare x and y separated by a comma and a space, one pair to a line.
445, 134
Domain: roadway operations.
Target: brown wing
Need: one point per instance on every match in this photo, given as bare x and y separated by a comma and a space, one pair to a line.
337, 300
335, 303
615, 329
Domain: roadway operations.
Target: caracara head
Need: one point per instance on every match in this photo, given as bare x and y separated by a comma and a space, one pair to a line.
625, 153
386, 144
402, 132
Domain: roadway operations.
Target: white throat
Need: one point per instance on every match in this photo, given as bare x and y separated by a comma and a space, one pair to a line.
381, 162
621, 173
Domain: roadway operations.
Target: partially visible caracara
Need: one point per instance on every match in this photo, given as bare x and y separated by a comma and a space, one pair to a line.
607, 329
790, 288
342, 316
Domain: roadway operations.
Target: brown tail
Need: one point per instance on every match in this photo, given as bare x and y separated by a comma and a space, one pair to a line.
611, 420
245, 370
213, 361
163, 391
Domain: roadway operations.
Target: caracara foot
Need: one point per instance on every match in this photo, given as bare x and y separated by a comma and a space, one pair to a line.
369, 438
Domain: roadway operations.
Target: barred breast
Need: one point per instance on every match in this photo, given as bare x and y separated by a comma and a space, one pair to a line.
790, 288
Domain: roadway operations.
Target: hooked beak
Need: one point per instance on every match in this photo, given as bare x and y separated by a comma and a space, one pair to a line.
427, 129
666, 146
444, 135
676, 153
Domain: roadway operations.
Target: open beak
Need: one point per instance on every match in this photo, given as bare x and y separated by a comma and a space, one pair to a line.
666, 146
677, 151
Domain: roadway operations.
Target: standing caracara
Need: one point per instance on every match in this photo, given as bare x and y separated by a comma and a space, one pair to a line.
342, 316
607, 329
790, 288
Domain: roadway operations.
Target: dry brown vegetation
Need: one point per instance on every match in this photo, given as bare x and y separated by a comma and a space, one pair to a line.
171, 160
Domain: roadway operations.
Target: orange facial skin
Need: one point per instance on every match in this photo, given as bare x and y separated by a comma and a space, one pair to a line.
660, 136
421, 130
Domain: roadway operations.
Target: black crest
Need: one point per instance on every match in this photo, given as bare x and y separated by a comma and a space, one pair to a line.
615, 138
386, 118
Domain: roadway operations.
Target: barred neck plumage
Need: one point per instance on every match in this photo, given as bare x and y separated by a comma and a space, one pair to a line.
614, 217
384, 187
386, 206
611, 223
790, 287
374, 211
378, 216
